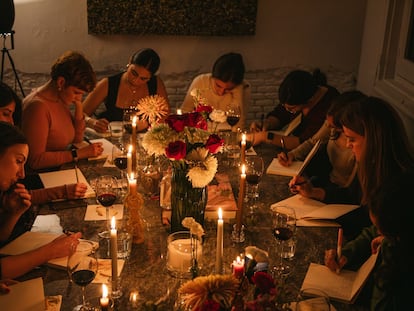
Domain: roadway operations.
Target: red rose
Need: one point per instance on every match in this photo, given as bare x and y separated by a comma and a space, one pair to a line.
176, 150
214, 143
204, 108
177, 121
263, 281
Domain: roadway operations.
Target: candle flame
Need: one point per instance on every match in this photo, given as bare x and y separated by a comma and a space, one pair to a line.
244, 137
179, 111
220, 213
104, 291
113, 222
238, 260
132, 177
244, 169
134, 121
130, 149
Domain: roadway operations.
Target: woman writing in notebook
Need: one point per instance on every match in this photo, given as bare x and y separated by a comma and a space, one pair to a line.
301, 95
15, 200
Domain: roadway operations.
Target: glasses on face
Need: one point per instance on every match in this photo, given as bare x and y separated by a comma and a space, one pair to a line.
136, 75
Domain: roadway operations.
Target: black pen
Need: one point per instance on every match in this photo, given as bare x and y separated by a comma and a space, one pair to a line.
88, 140
76, 172
282, 142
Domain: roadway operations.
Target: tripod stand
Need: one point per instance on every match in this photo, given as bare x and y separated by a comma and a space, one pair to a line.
4, 52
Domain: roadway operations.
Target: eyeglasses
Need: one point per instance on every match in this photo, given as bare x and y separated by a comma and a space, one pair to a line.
136, 76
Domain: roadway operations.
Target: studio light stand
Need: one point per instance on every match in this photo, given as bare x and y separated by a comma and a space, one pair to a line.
4, 52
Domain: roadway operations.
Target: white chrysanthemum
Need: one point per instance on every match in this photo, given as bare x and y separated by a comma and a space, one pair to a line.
156, 140
218, 116
197, 229
187, 222
198, 99
204, 169
152, 108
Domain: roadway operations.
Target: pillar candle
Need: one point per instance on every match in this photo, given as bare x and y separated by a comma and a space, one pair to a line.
219, 252
129, 160
179, 111
104, 300
239, 214
238, 267
114, 254
132, 183
134, 144
243, 149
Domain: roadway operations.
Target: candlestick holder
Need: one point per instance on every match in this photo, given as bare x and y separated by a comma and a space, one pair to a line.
237, 235
115, 287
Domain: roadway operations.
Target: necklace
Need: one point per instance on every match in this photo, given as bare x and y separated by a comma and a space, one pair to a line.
132, 88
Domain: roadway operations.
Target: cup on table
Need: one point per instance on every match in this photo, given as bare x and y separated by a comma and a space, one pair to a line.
288, 248
124, 244
115, 128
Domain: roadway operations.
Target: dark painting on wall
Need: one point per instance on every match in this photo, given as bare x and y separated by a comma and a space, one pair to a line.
172, 17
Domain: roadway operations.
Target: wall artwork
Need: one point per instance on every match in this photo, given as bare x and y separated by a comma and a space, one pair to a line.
172, 17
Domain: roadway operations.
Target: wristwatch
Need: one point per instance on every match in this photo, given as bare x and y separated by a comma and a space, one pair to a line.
75, 154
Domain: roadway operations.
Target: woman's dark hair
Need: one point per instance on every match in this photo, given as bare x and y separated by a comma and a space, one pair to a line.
147, 58
8, 95
339, 103
299, 86
76, 70
10, 135
229, 68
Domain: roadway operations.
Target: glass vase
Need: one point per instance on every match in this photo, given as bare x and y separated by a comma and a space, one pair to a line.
186, 201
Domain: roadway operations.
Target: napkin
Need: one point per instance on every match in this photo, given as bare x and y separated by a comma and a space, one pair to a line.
47, 223
98, 212
105, 270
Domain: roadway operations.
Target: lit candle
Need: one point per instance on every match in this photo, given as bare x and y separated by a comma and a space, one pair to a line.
129, 160
104, 300
179, 111
132, 182
219, 252
243, 148
114, 254
134, 144
133, 298
239, 213
238, 267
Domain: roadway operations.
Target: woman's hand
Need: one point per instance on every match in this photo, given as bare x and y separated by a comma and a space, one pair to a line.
63, 245
18, 200
4, 286
90, 151
376, 243
76, 191
285, 159
332, 262
100, 125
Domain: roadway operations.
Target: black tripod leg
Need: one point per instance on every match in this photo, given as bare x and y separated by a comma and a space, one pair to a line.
15, 72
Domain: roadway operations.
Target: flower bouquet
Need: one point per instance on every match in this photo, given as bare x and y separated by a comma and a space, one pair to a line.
191, 148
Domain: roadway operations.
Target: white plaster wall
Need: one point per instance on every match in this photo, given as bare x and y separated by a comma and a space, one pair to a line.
320, 33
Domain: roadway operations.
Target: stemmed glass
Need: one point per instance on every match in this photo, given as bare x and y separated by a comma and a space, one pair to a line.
106, 188
283, 229
120, 160
254, 172
82, 267
233, 116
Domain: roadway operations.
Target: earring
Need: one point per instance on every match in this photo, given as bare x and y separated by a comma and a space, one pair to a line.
59, 89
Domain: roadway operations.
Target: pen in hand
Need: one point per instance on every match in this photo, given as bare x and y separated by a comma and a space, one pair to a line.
88, 140
282, 143
339, 246
76, 173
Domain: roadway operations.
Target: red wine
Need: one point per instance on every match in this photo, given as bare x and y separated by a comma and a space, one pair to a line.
248, 144
252, 179
121, 163
282, 234
107, 199
83, 277
232, 120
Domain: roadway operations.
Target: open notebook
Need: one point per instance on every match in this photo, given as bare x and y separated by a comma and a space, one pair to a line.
296, 168
344, 286
24, 296
313, 213
63, 177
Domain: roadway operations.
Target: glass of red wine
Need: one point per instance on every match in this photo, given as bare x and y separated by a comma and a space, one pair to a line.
254, 172
106, 188
82, 267
233, 116
120, 160
283, 229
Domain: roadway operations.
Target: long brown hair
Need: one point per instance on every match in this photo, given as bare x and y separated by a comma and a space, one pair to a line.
387, 151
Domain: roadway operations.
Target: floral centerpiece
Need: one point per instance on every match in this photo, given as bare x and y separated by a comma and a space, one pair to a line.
191, 148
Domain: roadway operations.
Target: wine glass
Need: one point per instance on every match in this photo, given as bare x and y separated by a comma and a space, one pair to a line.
233, 116
120, 160
283, 229
254, 172
82, 267
106, 193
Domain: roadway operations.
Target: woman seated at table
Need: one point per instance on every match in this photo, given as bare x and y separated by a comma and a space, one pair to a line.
48, 123
223, 89
124, 90
15, 200
11, 111
379, 142
334, 164
301, 94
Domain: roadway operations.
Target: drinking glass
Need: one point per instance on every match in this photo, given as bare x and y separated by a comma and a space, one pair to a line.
120, 160
283, 229
106, 188
233, 116
82, 267
254, 172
